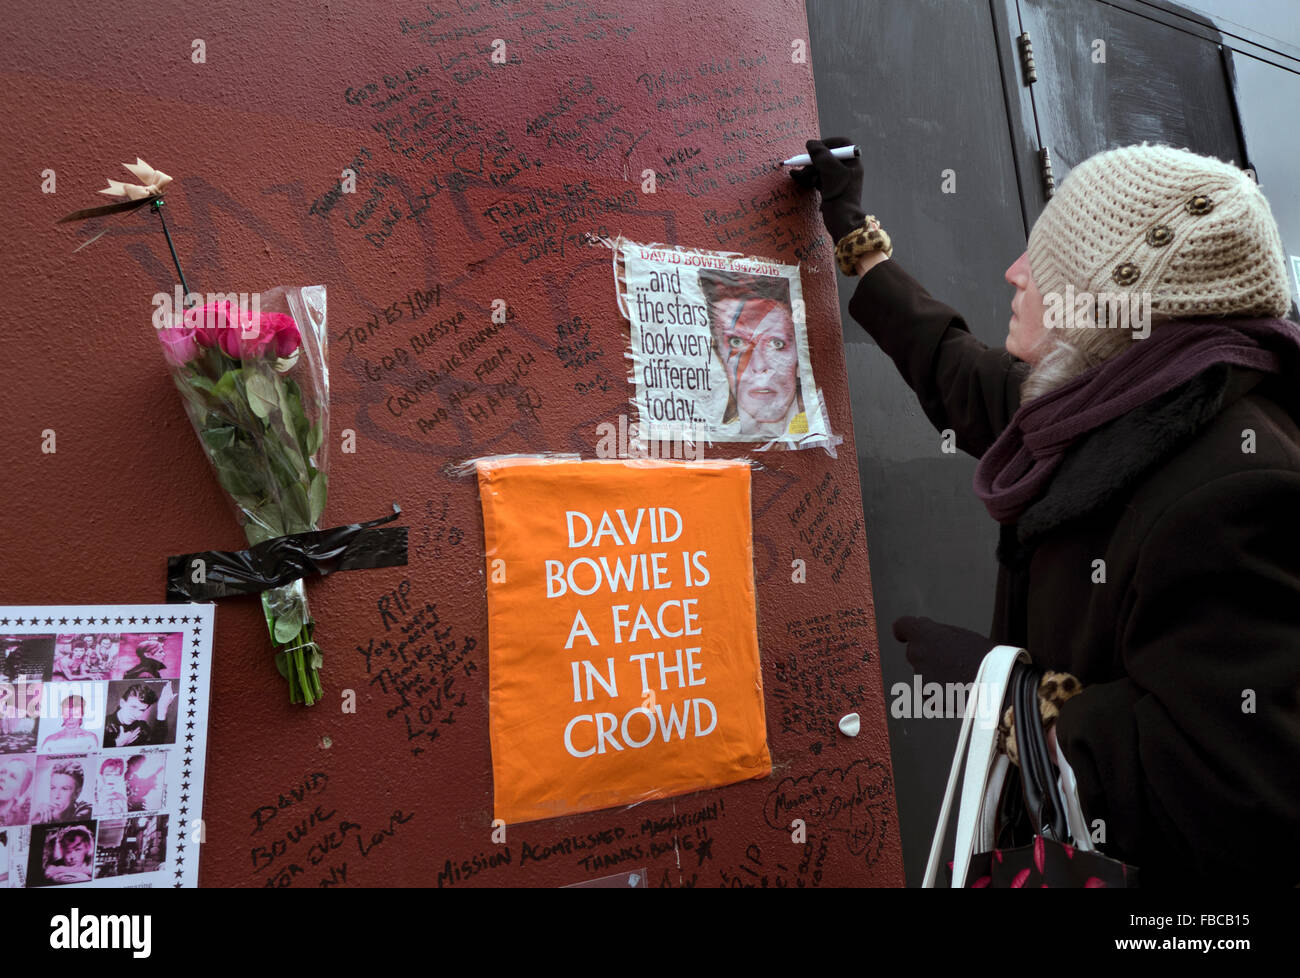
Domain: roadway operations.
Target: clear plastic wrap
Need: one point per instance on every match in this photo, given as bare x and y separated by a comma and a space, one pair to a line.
251, 370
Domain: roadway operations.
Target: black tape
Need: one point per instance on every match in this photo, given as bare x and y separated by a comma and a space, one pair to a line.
281, 560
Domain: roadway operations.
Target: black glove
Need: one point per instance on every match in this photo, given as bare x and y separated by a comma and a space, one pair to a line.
942, 653
840, 183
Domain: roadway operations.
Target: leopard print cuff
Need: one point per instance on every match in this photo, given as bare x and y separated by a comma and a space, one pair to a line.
1053, 690
859, 242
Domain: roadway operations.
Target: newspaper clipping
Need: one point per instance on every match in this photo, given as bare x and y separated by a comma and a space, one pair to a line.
719, 348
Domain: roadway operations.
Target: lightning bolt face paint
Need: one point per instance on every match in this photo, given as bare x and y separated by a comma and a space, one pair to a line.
762, 360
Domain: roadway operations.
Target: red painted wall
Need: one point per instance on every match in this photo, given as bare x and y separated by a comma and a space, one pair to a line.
445, 144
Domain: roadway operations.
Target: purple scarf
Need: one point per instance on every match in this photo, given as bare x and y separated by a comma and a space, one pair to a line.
1018, 466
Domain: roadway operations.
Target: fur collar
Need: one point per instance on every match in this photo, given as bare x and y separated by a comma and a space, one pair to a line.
1112, 459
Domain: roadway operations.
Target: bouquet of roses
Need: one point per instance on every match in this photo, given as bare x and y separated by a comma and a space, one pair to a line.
251, 371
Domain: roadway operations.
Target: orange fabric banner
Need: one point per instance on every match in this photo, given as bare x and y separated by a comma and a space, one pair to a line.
623, 647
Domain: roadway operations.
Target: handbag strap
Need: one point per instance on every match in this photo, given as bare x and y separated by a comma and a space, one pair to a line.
1042, 796
977, 750
986, 832
1078, 824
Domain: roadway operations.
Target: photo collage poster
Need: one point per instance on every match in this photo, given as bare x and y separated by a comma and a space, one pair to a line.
103, 737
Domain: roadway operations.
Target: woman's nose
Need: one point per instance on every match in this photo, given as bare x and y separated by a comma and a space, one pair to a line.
1015, 274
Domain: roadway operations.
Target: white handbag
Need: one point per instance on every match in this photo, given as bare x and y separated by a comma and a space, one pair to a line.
986, 768
986, 773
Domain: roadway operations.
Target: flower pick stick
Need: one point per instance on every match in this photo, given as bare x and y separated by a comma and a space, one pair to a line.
148, 191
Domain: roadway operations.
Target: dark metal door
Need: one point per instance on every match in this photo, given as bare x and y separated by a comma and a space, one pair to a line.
1096, 75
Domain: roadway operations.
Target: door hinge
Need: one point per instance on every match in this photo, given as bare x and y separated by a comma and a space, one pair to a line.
1045, 165
1027, 58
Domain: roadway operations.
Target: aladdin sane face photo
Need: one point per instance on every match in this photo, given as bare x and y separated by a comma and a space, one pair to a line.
756, 340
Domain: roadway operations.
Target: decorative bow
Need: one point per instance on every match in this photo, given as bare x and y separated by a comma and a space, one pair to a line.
151, 186
152, 182
148, 191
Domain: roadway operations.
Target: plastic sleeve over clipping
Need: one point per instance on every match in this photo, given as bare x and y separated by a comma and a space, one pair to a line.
718, 352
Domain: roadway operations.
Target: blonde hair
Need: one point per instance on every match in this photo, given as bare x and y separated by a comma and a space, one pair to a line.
1069, 352
1066, 357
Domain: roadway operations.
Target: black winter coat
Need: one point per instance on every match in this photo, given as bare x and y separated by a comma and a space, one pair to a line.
1186, 739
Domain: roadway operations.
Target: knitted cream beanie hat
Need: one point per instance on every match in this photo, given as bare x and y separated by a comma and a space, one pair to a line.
1194, 232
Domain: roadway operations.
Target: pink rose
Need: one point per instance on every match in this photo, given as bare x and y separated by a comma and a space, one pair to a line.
208, 322
243, 340
179, 344
241, 334
257, 333
287, 337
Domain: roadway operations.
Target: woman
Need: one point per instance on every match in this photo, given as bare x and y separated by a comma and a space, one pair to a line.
1146, 480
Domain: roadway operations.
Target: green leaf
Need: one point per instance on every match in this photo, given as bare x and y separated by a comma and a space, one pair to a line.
256, 533
318, 489
235, 480
288, 485
240, 467
290, 407
227, 385
262, 396
287, 628
297, 413
219, 437
306, 432
297, 509
264, 523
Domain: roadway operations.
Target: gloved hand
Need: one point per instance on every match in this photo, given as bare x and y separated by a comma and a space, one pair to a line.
942, 653
840, 183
